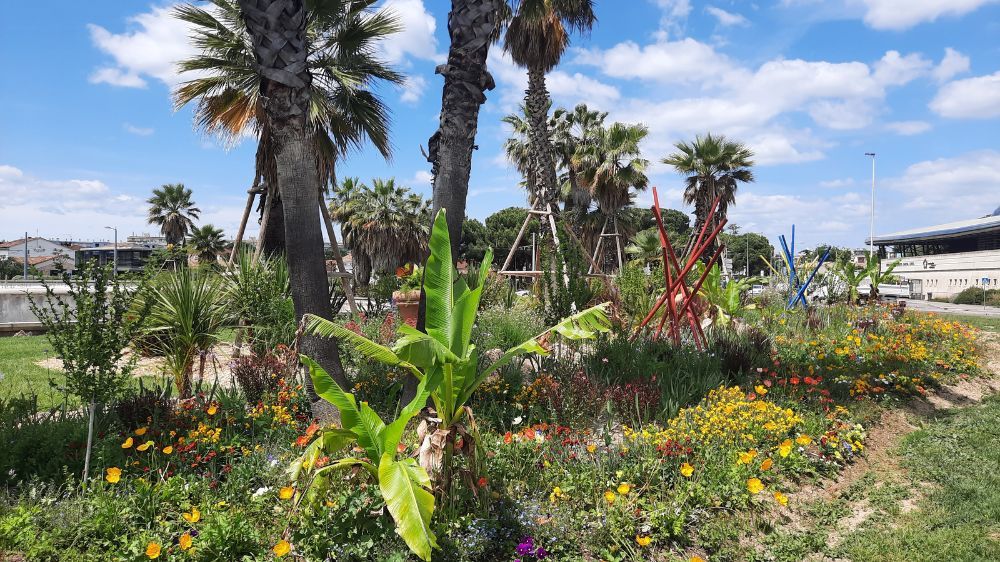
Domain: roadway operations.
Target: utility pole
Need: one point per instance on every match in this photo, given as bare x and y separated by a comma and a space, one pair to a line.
114, 272
748, 254
26, 255
871, 226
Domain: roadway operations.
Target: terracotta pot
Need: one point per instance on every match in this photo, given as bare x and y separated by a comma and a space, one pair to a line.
408, 304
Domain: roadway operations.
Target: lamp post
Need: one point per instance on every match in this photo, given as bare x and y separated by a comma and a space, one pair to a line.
871, 226
115, 270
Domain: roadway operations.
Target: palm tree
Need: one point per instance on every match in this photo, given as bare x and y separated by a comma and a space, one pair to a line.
473, 25
714, 166
517, 148
570, 130
645, 247
207, 243
280, 42
385, 226
536, 39
344, 111
172, 210
611, 166
878, 276
851, 276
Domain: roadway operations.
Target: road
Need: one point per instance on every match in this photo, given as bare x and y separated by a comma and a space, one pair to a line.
949, 308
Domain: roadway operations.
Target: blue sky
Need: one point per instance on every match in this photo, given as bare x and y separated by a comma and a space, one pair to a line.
810, 85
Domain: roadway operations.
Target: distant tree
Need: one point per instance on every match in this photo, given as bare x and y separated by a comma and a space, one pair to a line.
10, 269
207, 242
645, 247
759, 247
475, 241
172, 210
501, 230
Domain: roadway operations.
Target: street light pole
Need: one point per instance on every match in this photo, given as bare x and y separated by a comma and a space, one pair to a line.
871, 226
114, 272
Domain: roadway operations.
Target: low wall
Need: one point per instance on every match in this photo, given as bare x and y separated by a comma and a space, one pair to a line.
15, 306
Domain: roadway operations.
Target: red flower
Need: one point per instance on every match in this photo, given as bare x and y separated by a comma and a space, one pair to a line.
795, 380
507, 438
482, 482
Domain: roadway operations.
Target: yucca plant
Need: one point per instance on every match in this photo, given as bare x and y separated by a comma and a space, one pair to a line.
445, 362
877, 275
187, 314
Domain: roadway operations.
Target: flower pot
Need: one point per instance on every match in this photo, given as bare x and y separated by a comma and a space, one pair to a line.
408, 304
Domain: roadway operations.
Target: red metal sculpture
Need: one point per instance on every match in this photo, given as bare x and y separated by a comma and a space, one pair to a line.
678, 297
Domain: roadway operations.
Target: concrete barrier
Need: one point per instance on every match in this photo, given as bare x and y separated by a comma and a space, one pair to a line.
15, 305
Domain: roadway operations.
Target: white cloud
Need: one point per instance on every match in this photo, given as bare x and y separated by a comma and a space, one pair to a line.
951, 188
565, 88
422, 178
784, 147
953, 64
773, 214
151, 48
416, 38
139, 131
971, 98
837, 183
727, 19
674, 13
904, 14
685, 61
842, 115
413, 89
896, 70
907, 128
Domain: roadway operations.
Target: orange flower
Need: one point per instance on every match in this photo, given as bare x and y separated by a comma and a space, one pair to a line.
212, 409
141, 431
286, 493
755, 486
153, 550
167, 450
781, 498
803, 440
591, 448
766, 465
785, 448
282, 548
609, 497
114, 474
127, 444
144, 446
192, 517
185, 541
643, 540
507, 438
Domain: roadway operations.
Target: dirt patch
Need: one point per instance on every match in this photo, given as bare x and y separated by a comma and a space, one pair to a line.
216, 365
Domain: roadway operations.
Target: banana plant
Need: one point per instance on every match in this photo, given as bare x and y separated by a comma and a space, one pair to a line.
876, 275
851, 276
444, 352
404, 484
726, 301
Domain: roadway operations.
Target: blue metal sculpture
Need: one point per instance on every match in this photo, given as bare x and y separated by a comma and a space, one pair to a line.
798, 290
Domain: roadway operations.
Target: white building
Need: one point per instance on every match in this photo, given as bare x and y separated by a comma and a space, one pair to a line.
36, 247
945, 259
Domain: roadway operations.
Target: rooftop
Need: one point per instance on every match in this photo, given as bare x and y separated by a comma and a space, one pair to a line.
947, 230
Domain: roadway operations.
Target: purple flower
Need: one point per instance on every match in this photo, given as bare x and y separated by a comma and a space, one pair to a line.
526, 546
541, 553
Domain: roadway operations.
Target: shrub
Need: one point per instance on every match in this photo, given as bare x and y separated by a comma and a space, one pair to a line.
148, 405
257, 374
974, 295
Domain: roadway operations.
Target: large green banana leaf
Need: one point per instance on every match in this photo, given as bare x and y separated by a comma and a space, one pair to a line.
406, 489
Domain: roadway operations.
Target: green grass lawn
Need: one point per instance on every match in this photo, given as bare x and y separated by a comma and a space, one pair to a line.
959, 517
21, 375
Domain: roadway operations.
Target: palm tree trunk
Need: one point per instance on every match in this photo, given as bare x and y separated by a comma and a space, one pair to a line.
278, 32
471, 26
536, 103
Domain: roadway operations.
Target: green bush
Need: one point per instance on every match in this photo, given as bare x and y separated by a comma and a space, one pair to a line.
974, 295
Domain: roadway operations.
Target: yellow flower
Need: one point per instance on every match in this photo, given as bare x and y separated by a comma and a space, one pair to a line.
781, 498
755, 486
185, 541
127, 444
212, 410
282, 548
168, 449
696, 558
591, 448
144, 446
803, 440
286, 493
766, 465
192, 517
141, 431
556, 494
153, 550
624, 488
687, 470
785, 448
760, 389
747, 457
643, 540
609, 497
114, 474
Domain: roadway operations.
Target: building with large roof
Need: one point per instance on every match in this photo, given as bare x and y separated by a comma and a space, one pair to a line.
945, 259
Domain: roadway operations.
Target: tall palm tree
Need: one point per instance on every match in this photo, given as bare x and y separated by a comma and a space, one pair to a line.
473, 25
714, 166
570, 130
280, 42
517, 148
172, 210
536, 39
342, 60
612, 167
385, 226
207, 243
